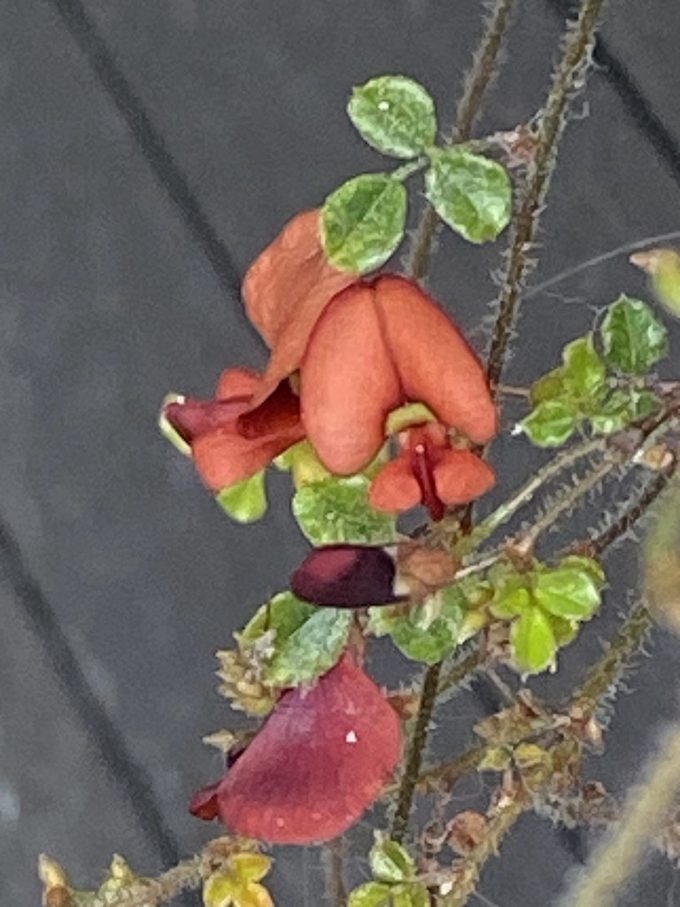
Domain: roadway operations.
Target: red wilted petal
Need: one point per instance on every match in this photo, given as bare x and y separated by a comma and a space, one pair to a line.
349, 383
319, 760
346, 576
285, 291
461, 476
395, 488
436, 364
237, 382
194, 418
204, 804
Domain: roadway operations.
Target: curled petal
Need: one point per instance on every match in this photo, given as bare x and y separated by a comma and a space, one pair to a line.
285, 291
192, 419
346, 576
203, 804
237, 382
461, 476
349, 383
319, 760
436, 364
395, 488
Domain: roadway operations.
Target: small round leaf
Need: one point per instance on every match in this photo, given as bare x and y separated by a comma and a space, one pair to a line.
372, 894
311, 650
533, 641
390, 862
337, 510
471, 193
362, 222
550, 424
583, 372
567, 592
633, 338
395, 115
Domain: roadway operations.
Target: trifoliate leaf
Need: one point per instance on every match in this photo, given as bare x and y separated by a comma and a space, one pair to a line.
245, 501
424, 633
470, 193
311, 650
549, 387
337, 510
395, 115
583, 372
237, 883
372, 894
533, 641
567, 592
390, 862
550, 424
362, 222
633, 338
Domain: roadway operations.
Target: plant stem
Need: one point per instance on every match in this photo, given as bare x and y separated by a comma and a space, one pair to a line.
150, 893
482, 74
524, 495
416, 752
568, 78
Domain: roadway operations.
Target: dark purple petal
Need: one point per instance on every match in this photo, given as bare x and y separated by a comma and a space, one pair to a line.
346, 576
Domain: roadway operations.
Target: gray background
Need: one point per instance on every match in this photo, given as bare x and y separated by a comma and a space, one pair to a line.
148, 151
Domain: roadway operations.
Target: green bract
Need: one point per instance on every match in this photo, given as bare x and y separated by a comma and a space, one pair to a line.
470, 193
337, 510
395, 115
281, 616
245, 501
533, 641
362, 222
390, 862
633, 338
310, 650
426, 632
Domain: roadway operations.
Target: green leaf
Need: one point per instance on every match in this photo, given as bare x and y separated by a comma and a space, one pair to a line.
470, 193
533, 641
549, 387
550, 424
564, 630
633, 338
583, 373
284, 614
567, 592
586, 565
372, 894
415, 894
622, 408
395, 115
511, 598
310, 650
245, 501
337, 510
390, 862
362, 222
427, 632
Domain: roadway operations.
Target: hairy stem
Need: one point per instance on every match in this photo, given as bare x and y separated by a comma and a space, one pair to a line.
481, 76
334, 858
568, 78
185, 876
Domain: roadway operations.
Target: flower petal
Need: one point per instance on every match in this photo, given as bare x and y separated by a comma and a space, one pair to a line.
237, 382
395, 488
436, 365
203, 804
319, 760
461, 476
285, 291
349, 383
192, 418
346, 576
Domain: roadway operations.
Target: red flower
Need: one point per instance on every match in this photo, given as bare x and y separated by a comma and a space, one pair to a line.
320, 759
429, 471
375, 346
230, 439
285, 291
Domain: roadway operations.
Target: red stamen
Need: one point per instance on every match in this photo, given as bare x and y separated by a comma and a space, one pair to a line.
424, 473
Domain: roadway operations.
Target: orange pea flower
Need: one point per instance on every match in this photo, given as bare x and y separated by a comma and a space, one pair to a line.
377, 345
230, 439
429, 471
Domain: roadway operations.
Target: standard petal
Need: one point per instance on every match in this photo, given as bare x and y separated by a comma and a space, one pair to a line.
319, 760
461, 476
436, 365
349, 383
285, 291
395, 488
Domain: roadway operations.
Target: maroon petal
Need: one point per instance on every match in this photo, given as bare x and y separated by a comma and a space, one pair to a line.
203, 804
346, 576
319, 760
192, 418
